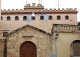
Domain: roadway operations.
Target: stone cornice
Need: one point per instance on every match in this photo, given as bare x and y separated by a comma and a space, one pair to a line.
14, 31
66, 28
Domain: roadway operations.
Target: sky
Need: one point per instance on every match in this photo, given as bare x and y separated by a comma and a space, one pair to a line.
19, 4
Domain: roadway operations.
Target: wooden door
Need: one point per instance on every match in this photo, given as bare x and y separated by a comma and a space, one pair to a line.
28, 49
76, 48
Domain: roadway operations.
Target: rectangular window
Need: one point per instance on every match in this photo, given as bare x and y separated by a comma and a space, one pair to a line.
50, 17
4, 34
33, 18
1, 18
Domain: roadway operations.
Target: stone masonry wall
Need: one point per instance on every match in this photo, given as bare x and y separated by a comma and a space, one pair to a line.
41, 40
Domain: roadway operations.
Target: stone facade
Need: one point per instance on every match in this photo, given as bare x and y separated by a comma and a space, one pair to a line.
67, 34
44, 41
40, 39
38, 10
20, 31
1, 47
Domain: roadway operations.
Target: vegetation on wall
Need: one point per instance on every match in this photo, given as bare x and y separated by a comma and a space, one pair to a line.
78, 23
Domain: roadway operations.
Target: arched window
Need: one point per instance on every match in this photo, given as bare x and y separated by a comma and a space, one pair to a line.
50, 17
8, 18
76, 48
66, 17
16, 18
24, 18
1, 18
58, 17
33, 18
41, 17
79, 28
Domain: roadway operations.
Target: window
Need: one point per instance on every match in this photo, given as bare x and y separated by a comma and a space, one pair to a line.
4, 34
8, 18
58, 17
24, 18
66, 17
33, 17
41, 17
76, 48
1, 18
16, 18
50, 17
79, 29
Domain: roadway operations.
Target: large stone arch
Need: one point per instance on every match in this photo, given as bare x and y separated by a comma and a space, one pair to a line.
22, 40
28, 33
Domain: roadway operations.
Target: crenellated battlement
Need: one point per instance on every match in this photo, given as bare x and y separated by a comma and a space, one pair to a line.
44, 10
39, 8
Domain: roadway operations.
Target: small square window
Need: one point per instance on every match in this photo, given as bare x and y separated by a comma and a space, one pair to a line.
58, 18
50, 17
5, 34
1, 18
33, 18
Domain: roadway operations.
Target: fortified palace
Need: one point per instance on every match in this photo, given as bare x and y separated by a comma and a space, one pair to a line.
35, 31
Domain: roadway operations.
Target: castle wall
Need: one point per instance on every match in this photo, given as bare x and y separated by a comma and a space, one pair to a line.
64, 42
1, 47
67, 34
14, 24
39, 9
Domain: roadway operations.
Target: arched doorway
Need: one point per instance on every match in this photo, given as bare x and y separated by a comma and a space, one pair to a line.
76, 48
28, 49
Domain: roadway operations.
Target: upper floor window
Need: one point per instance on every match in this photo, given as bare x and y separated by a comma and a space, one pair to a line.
33, 18
4, 34
16, 18
41, 17
24, 18
50, 17
58, 17
66, 17
1, 18
79, 29
8, 18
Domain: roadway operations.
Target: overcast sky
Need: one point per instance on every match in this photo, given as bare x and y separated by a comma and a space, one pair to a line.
19, 4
